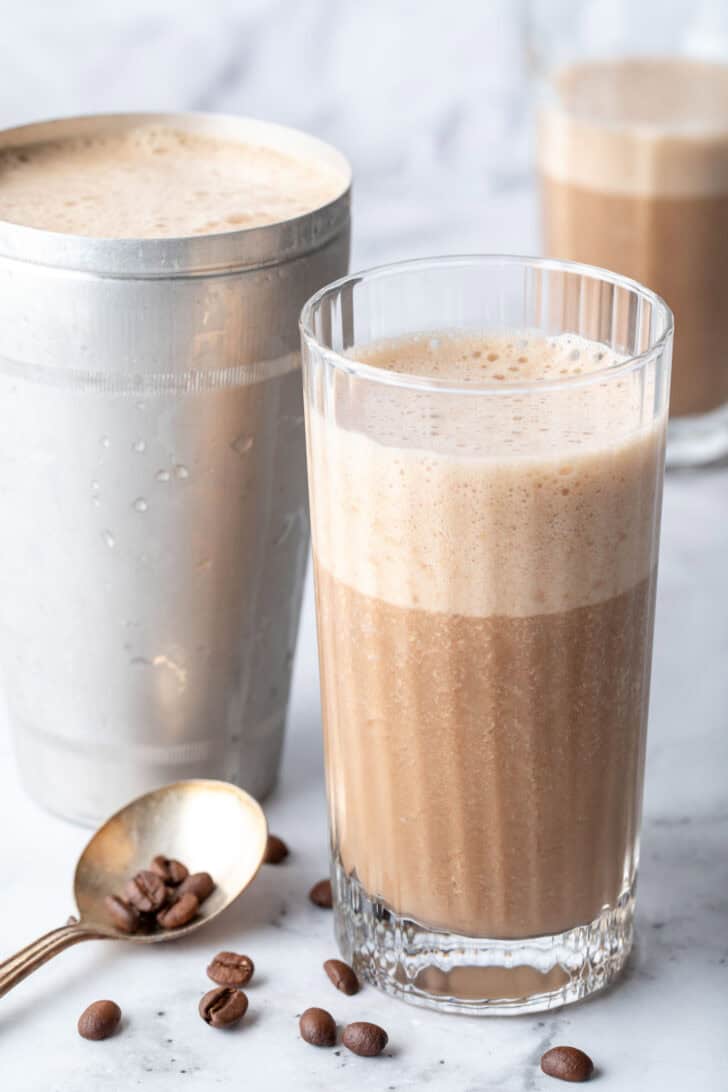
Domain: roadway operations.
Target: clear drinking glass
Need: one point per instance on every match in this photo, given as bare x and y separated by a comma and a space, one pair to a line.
485, 542
633, 164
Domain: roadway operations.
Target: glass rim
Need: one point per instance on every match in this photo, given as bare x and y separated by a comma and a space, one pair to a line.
550, 95
353, 367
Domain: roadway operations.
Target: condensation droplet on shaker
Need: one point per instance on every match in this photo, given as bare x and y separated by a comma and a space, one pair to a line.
105, 441
242, 445
181, 471
140, 505
163, 475
109, 539
139, 446
286, 529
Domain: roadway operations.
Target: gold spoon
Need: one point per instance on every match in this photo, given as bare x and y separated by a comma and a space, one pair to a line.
210, 826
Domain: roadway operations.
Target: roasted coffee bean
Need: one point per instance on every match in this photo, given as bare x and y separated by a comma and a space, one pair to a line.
146, 891
147, 923
317, 1027
276, 850
223, 1007
342, 976
320, 894
124, 917
179, 912
99, 1020
231, 969
567, 1064
172, 872
199, 883
365, 1039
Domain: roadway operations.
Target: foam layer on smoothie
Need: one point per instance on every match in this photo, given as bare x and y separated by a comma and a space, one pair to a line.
639, 126
509, 504
152, 180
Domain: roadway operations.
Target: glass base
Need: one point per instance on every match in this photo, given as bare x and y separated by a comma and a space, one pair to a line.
477, 975
698, 441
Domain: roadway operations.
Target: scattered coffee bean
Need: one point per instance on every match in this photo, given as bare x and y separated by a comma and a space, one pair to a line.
567, 1064
179, 912
146, 891
320, 894
231, 969
276, 850
199, 883
223, 1007
365, 1039
172, 872
124, 917
342, 976
317, 1027
99, 1020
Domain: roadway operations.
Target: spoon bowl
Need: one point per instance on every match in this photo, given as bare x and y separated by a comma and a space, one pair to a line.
210, 826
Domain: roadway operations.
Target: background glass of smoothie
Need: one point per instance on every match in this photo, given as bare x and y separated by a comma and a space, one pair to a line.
633, 162
485, 457
152, 469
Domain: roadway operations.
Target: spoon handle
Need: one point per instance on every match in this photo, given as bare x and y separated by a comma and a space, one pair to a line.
28, 959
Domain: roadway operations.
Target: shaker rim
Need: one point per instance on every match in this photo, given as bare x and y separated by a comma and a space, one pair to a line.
174, 257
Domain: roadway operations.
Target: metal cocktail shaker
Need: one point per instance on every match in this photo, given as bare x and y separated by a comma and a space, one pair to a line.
152, 484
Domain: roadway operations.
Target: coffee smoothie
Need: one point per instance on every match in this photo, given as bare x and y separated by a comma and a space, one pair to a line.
149, 181
633, 156
171, 422
485, 586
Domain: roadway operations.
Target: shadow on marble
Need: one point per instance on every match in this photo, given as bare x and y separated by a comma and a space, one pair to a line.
31, 998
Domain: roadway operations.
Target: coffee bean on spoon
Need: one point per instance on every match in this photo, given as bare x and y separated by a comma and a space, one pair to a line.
146, 891
365, 1039
320, 894
147, 924
317, 1027
170, 871
179, 912
231, 969
342, 976
567, 1064
125, 917
99, 1020
199, 883
223, 1007
275, 851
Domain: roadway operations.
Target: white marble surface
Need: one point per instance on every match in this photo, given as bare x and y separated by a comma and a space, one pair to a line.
428, 101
